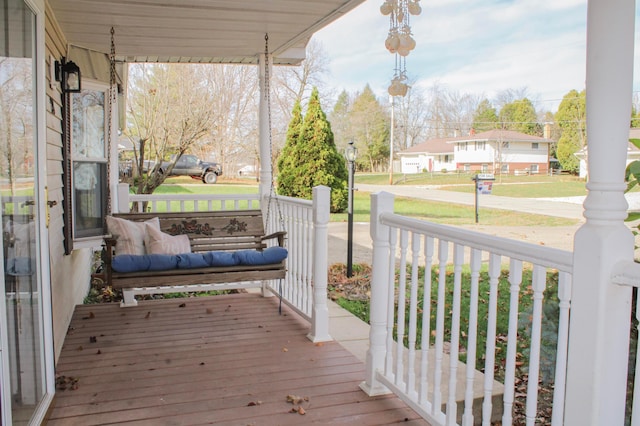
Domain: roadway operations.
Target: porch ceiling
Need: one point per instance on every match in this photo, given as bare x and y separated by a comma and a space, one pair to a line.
203, 31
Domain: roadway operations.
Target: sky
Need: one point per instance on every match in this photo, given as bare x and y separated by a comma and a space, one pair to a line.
470, 46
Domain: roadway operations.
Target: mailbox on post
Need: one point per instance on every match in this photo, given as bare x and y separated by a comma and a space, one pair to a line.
484, 185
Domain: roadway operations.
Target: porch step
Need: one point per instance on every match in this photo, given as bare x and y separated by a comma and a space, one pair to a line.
353, 334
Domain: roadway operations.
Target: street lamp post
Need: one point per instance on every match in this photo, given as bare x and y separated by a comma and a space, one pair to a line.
351, 153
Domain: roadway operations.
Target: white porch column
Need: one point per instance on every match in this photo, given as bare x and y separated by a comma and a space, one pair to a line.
122, 198
600, 310
320, 313
381, 202
263, 122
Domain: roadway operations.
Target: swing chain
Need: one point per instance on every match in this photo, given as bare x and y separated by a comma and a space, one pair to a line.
113, 89
267, 94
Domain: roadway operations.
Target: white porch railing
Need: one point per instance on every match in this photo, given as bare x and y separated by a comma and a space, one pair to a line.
446, 310
305, 287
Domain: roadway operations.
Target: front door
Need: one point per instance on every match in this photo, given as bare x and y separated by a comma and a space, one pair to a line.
22, 323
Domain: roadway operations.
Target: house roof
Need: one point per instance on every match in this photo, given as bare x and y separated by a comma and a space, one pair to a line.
432, 146
502, 136
198, 31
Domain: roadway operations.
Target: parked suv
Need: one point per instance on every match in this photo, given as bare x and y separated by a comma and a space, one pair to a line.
190, 165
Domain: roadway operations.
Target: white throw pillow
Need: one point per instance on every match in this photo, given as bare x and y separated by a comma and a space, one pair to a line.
158, 242
130, 234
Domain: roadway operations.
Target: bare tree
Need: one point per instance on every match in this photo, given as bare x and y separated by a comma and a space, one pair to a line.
167, 114
232, 93
16, 123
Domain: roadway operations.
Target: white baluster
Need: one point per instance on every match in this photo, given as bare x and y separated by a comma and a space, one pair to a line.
559, 384
402, 284
391, 297
452, 407
538, 283
426, 321
475, 263
490, 351
413, 315
443, 254
515, 278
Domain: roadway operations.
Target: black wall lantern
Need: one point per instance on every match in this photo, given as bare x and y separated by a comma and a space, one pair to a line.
68, 74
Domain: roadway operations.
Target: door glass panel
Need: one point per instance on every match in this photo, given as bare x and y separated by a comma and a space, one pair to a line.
17, 194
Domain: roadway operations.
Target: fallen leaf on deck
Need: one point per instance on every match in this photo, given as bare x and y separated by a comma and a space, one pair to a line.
148, 315
296, 400
319, 344
99, 352
285, 350
93, 339
182, 305
301, 411
209, 310
254, 403
79, 348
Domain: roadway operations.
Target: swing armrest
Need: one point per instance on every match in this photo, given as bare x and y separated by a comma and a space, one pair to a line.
279, 235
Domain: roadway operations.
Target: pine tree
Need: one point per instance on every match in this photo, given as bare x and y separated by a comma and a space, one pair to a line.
315, 159
287, 160
571, 117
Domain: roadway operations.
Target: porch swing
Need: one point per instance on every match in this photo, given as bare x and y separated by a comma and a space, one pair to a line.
227, 249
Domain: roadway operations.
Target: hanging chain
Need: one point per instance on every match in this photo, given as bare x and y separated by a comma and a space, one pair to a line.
113, 90
267, 95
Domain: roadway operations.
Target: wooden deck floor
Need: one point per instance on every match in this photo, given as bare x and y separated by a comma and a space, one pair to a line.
209, 360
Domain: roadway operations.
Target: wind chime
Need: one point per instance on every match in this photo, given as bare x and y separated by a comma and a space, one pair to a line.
400, 41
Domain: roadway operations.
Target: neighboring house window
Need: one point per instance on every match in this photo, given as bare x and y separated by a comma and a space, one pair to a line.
485, 168
88, 161
505, 145
534, 168
534, 145
467, 167
504, 168
464, 146
447, 158
480, 146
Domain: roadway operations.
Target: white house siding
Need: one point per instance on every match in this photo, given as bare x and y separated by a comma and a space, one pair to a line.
417, 163
518, 156
472, 155
414, 163
69, 274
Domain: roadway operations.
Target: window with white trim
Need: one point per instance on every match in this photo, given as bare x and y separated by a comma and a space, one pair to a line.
534, 145
89, 160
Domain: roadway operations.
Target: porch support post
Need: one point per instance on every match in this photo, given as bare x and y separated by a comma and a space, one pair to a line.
122, 198
600, 311
320, 311
381, 202
263, 124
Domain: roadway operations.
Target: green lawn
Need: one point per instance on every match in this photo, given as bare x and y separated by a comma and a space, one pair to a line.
452, 214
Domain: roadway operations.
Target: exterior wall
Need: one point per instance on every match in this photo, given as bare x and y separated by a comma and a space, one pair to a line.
411, 164
414, 163
69, 274
519, 157
439, 163
473, 155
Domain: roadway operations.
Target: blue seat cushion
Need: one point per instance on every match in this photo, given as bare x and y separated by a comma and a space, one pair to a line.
266, 257
145, 262
163, 262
